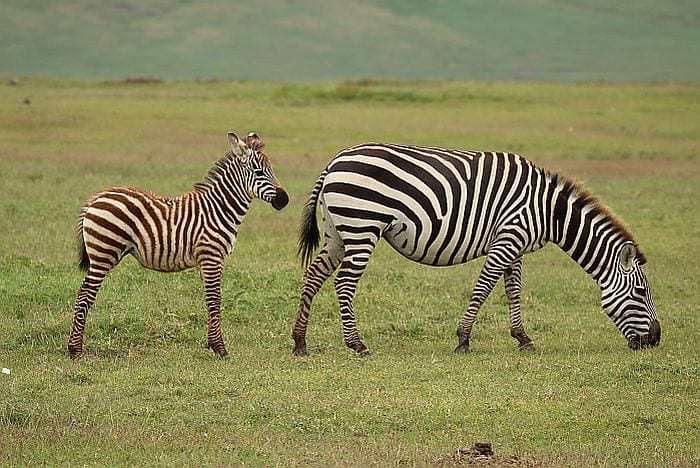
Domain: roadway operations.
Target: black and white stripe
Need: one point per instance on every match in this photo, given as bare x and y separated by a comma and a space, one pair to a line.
444, 207
199, 228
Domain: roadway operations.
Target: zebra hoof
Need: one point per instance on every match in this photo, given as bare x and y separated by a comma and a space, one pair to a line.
224, 357
526, 347
359, 348
300, 351
463, 349
75, 354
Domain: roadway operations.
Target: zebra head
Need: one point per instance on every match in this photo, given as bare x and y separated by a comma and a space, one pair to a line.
258, 176
628, 301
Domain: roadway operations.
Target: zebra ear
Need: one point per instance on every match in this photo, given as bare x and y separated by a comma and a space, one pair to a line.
238, 147
627, 255
254, 142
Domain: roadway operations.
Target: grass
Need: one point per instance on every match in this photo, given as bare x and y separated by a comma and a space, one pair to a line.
148, 392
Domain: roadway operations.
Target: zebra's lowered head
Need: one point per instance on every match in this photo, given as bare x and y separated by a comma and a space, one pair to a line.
627, 300
257, 174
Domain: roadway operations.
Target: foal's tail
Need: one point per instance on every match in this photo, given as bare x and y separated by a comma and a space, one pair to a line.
309, 235
82, 251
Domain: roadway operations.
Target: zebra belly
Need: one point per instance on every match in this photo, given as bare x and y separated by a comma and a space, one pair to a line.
164, 264
442, 251
170, 253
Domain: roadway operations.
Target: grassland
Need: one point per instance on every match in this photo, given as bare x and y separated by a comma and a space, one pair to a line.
533, 40
149, 393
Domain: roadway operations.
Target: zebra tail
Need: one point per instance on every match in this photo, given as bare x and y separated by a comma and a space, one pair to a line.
309, 235
82, 251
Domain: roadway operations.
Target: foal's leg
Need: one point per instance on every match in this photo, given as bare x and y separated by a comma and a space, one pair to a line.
85, 299
499, 258
211, 273
512, 279
316, 274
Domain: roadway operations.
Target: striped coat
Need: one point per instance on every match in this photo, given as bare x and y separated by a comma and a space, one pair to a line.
444, 207
199, 228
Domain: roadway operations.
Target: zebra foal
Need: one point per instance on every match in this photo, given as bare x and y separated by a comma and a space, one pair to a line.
444, 207
199, 228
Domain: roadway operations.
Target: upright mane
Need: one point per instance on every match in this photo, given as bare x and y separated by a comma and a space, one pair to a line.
584, 197
215, 173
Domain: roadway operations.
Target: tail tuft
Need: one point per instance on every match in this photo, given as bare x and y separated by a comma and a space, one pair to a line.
309, 234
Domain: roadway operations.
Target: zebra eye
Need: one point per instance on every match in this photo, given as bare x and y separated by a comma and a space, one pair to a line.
640, 291
258, 172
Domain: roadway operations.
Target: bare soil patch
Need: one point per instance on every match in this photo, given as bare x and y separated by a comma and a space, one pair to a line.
481, 454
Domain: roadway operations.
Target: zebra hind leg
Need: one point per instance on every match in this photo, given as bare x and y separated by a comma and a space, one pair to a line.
316, 274
512, 280
351, 269
85, 299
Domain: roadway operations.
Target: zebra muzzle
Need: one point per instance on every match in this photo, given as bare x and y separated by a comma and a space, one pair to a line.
281, 199
650, 340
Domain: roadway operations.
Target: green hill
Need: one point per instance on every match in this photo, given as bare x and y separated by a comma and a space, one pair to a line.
305, 40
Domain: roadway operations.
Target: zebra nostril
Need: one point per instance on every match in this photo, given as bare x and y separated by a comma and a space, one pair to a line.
281, 199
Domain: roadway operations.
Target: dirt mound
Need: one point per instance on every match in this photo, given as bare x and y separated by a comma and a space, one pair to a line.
480, 454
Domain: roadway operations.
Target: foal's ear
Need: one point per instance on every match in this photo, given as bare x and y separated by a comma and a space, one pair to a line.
627, 256
238, 147
252, 138
254, 142
233, 140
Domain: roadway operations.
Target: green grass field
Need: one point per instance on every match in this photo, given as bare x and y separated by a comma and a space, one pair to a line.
149, 393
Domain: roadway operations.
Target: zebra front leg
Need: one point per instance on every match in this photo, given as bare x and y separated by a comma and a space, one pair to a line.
316, 274
496, 262
211, 272
84, 300
349, 275
512, 279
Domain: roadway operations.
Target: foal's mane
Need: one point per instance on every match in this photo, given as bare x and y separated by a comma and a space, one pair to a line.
222, 165
215, 173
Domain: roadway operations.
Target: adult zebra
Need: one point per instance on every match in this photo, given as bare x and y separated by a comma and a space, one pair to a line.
199, 228
444, 207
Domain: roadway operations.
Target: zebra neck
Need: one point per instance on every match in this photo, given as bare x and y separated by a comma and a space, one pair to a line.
586, 232
227, 205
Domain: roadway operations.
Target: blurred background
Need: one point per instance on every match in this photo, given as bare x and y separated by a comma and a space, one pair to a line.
307, 40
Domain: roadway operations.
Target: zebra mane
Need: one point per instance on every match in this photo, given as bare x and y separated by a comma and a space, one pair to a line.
215, 173
584, 197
